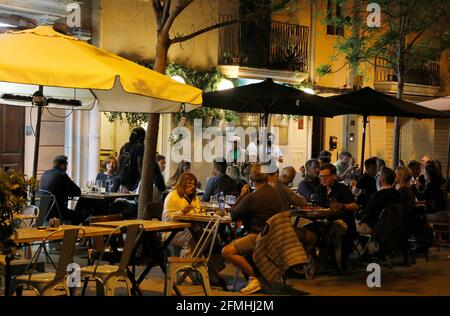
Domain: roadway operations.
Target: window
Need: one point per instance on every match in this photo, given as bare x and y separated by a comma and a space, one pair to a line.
334, 11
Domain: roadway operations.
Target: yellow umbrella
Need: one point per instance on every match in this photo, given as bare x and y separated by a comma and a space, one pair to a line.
72, 74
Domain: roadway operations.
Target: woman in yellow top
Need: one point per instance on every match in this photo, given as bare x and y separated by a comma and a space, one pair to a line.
182, 200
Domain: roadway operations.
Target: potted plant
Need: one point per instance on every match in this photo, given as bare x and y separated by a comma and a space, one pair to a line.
14, 193
231, 117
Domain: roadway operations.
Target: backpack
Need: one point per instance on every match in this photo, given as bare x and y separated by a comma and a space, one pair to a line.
125, 162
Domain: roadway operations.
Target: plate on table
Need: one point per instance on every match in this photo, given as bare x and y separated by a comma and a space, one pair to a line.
319, 209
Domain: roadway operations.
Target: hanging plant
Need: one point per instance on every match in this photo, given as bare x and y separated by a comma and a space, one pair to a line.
204, 80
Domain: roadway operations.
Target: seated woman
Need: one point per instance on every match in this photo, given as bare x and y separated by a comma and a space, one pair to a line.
109, 165
234, 173
183, 166
433, 195
182, 200
403, 181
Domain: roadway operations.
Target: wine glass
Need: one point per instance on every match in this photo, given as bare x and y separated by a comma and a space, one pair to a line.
214, 200
98, 185
315, 199
89, 186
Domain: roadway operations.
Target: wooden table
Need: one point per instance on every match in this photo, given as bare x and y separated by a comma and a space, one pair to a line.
28, 235
213, 206
197, 218
158, 255
108, 196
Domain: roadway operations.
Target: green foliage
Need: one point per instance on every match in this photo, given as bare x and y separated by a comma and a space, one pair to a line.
14, 189
204, 80
403, 21
323, 70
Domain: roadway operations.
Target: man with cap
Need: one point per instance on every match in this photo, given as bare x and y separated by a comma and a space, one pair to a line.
254, 209
236, 154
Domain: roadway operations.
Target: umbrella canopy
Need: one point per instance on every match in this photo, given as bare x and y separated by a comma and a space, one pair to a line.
268, 97
441, 104
370, 102
70, 69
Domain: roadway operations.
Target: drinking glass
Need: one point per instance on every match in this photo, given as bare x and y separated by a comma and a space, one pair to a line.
230, 199
315, 199
89, 185
98, 185
214, 200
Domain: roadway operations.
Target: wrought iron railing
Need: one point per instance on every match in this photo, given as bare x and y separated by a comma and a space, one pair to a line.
426, 73
271, 45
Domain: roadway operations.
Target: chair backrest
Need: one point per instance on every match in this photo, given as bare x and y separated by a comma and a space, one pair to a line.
46, 202
32, 210
67, 251
98, 243
133, 232
208, 238
69, 239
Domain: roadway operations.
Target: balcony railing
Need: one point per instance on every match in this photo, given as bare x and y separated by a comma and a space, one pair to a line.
427, 73
272, 45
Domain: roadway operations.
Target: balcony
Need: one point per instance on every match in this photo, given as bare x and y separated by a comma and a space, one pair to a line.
275, 46
422, 80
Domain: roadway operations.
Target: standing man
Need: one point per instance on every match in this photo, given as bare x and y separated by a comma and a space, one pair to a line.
130, 160
270, 152
62, 187
236, 155
254, 209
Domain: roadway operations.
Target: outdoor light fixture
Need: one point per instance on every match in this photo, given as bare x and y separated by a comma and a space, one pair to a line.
308, 90
225, 84
7, 25
178, 78
39, 100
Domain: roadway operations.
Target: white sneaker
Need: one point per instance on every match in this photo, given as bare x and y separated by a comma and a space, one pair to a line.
253, 286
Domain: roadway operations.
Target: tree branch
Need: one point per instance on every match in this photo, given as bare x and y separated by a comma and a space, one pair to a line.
156, 5
166, 9
414, 40
199, 32
183, 4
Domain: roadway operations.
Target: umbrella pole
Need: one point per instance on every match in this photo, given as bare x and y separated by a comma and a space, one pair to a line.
363, 143
37, 136
448, 153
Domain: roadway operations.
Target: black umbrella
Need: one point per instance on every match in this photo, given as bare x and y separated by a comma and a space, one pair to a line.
370, 102
268, 97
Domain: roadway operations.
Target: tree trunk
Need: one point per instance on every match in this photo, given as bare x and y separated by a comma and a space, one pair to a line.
151, 138
400, 89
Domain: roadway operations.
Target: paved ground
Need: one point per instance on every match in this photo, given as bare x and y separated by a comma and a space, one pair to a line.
424, 278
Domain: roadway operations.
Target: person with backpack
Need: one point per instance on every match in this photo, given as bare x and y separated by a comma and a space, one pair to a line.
130, 160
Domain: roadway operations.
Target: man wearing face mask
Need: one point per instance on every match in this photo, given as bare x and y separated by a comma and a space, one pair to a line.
270, 152
62, 187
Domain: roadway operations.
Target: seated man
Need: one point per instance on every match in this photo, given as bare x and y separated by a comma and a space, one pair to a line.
287, 176
367, 183
386, 196
254, 209
311, 183
340, 199
62, 187
344, 167
287, 196
220, 182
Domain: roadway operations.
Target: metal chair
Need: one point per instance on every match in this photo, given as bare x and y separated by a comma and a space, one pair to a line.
106, 276
46, 202
44, 284
33, 211
98, 244
196, 263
